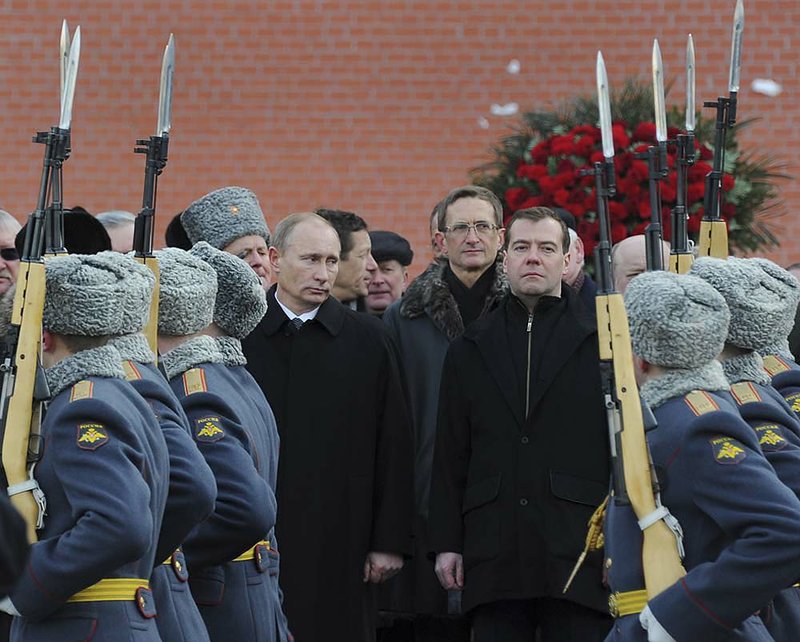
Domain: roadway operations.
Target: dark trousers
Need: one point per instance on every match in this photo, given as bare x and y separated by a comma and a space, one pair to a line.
553, 621
426, 628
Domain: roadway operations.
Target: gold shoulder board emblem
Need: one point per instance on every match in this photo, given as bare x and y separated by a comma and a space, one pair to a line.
745, 392
194, 380
700, 402
81, 390
775, 365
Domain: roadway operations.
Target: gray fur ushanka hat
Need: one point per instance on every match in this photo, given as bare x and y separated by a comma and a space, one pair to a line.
188, 287
757, 307
96, 294
224, 215
676, 320
782, 283
241, 301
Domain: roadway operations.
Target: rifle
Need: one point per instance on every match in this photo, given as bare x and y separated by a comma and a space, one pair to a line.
156, 148
633, 478
24, 387
713, 239
657, 169
680, 256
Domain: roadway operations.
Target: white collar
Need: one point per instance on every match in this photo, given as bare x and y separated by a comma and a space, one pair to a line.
306, 316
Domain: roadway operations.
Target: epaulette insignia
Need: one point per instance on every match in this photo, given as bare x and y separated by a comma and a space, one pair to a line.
81, 390
770, 437
727, 450
131, 371
775, 365
194, 380
91, 436
745, 392
208, 429
700, 402
794, 401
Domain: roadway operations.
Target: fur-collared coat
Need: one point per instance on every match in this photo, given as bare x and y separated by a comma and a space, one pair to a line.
423, 323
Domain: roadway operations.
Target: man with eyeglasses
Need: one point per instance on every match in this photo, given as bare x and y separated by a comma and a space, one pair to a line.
455, 290
9, 258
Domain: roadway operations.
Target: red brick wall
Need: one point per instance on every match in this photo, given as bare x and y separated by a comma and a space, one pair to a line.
363, 105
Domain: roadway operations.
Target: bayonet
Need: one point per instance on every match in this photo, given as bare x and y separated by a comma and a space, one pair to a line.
70, 77
690, 85
658, 94
604, 107
736, 47
165, 91
64, 55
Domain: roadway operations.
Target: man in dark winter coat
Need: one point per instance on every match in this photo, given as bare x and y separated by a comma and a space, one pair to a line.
521, 458
455, 290
344, 480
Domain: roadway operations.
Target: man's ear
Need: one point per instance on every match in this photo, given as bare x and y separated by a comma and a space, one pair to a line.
274, 260
47, 341
441, 241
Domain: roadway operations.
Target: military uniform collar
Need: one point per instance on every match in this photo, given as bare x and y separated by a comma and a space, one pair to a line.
745, 367
679, 381
133, 347
104, 361
231, 350
196, 351
780, 349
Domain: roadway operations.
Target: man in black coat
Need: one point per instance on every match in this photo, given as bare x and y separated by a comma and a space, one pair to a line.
457, 288
14, 552
345, 477
521, 457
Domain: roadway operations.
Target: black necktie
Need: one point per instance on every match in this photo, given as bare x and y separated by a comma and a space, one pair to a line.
294, 325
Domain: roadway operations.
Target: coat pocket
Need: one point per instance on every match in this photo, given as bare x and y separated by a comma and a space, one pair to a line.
481, 514
208, 585
577, 489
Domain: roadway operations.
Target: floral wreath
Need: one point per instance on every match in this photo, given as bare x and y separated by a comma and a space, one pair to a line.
542, 163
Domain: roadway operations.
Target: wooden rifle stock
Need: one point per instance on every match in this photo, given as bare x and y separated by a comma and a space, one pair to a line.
21, 410
680, 263
151, 329
713, 240
661, 560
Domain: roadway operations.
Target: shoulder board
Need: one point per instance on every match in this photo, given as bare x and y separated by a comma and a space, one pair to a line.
745, 392
775, 365
131, 371
700, 402
194, 380
82, 390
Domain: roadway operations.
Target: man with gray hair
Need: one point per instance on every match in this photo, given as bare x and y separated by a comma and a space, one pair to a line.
344, 480
739, 521
575, 276
119, 225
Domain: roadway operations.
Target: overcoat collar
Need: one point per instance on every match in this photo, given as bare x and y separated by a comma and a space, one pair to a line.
430, 295
331, 315
491, 339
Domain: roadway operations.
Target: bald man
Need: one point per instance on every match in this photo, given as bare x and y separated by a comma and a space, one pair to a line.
628, 259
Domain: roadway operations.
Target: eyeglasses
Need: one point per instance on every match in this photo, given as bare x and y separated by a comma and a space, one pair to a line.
9, 254
460, 230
